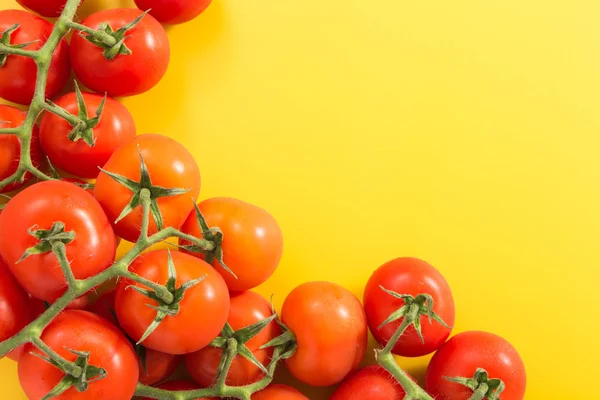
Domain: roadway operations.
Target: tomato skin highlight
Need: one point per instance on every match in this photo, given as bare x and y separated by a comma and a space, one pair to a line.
169, 164
467, 351
116, 127
10, 147
159, 366
279, 392
369, 383
408, 276
203, 311
173, 11
247, 308
252, 240
40, 205
178, 385
18, 75
82, 331
125, 75
46, 8
331, 329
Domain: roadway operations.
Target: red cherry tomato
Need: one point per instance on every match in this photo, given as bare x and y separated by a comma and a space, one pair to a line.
252, 240
413, 277
331, 329
116, 127
126, 74
279, 392
158, 366
14, 305
46, 8
35, 308
85, 332
247, 308
18, 74
170, 165
369, 383
10, 146
178, 385
203, 310
173, 11
463, 354
39, 207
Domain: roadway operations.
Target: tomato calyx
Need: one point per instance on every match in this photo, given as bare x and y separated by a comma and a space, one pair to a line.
80, 376
6, 46
164, 308
48, 239
144, 188
113, 42
286, 342
214, 235
482, 385
411, 311
83, 127
236, 340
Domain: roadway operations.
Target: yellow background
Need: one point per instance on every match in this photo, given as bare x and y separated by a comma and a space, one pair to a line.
464, 132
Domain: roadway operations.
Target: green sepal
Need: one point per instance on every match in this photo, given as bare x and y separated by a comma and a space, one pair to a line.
46, 238
84, 129
111, 51
145, 182
482, 386
5, 40
414, 307
141, 353
8, 198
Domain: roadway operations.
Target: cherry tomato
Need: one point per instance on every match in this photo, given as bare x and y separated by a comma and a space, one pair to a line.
173, 11
38, 207
331, 329
252, 240
463, 354
413, 277
85, 332
116, 127
35, 308
46, 8
14, 305
158, 366
279, 392
178, 385
369, 383
170, 165
10, 146
18, 74
247, 308
203, 310
126, 74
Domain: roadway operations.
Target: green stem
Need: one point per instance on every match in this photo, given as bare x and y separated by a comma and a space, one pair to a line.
480, 393
59, 249
61, 112
4, 49
161, 291
67, 366
102, 36
9, 131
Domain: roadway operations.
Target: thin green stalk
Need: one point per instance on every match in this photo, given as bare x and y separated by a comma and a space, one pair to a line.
17, 51
104, 37
66, 366
59, 249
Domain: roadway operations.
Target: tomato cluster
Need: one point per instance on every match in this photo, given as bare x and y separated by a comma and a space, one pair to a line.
111, 329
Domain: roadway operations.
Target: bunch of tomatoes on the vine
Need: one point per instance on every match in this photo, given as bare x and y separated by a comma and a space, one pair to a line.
182, 322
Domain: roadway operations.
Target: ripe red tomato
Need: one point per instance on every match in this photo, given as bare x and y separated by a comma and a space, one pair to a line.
409, 276
14, 305
39, 207
18, 74
34, 309
203, 310
463, 354
369, 383
46, 8
279, 392
85, 332
178, 385
159, 366
252, 240
169, 164
331, 329
247, 308
10, 146
116, 127
126, 74
173, 11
